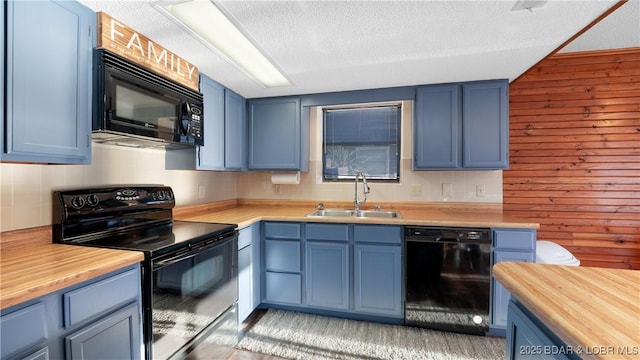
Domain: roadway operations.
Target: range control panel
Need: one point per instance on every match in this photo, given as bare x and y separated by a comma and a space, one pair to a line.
86, 202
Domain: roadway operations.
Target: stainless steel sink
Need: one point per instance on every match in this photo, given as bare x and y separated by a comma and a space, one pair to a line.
332, 212
353, 213
378, 213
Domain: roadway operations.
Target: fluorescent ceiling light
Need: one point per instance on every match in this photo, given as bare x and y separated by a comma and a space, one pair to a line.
207, 23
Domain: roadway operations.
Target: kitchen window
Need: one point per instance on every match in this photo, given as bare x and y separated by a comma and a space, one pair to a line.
361, 139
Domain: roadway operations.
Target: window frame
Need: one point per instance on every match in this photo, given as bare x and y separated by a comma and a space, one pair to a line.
398, 106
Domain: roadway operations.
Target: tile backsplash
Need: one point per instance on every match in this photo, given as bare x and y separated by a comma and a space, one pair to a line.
25, 195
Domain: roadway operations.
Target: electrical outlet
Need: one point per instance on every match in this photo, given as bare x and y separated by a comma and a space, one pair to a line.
416, 190
447, 190
201, 192
480, 191
276, 188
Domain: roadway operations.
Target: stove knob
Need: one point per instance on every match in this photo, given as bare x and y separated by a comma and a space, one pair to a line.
92, 200
159, 195
77, 202
168, 195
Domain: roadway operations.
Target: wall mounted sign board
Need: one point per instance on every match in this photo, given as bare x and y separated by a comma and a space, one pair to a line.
122, 40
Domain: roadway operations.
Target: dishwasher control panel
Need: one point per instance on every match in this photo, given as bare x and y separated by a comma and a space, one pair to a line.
427, 233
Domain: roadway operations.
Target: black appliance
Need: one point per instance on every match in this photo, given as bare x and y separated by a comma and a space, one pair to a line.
136, 107
448, 278
189, 272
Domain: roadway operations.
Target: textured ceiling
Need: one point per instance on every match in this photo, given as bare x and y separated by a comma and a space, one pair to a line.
324, 46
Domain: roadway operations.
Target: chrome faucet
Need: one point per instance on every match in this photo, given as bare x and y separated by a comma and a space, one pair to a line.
366, 190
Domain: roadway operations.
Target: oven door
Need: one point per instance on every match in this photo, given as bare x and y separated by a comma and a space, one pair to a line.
190, 291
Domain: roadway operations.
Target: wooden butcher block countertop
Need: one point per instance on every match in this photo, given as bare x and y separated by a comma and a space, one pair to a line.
596, 310
248, 212
27, 272
30, 272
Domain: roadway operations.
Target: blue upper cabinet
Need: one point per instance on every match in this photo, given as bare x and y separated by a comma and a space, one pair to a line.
436, 134
485, 125
224, 128
461, 126
275, 136
48, 82
211, 155
235, 131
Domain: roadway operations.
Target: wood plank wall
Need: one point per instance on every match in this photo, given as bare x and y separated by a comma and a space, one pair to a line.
575, 154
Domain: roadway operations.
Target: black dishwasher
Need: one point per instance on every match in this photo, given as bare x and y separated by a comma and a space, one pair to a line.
448, 278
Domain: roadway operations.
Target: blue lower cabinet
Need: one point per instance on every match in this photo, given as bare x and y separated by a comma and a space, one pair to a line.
508, 245
245, 280
248, 270
85, 321
527, 338
327, 275
378, 279
282, 263
340, 269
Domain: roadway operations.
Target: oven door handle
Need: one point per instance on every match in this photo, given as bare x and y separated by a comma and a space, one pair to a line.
192, 252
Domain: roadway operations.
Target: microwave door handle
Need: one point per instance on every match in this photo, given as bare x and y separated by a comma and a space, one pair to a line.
110, 109
185, 121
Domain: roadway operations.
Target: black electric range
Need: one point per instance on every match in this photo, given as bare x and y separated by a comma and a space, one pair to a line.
190, 268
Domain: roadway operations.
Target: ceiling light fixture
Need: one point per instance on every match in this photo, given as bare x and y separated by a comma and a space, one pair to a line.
528, 4
204, 20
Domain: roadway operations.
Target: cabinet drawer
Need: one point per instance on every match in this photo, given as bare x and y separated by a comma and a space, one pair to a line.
282, 255
514, 239
100, 297
283, 288
244, 238
22, 329
378, 234
336, 232
282, 230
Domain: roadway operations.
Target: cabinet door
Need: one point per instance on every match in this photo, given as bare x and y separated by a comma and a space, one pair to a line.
49, 81
211, 155
117, 335
274, 134
256, 246
248, 270
378, 279
235, 137
500, 295
436, 127
327, 275
485, 125
527, 340
245, 282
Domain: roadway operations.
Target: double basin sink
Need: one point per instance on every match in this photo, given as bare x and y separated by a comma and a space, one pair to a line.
356, 213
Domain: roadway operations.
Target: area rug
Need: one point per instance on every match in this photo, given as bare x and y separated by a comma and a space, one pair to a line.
295, 335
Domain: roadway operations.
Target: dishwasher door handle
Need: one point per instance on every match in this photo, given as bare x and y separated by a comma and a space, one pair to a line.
433, 240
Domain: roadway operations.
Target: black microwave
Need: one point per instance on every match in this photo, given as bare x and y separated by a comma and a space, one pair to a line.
136, 107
